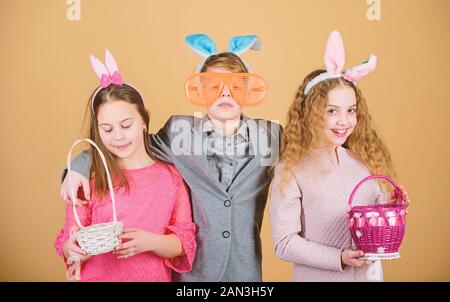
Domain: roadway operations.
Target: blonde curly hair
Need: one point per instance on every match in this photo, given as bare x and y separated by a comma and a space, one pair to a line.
302, 130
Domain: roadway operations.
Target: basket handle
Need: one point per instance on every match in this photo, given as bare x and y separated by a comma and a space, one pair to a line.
397, 189
110, 186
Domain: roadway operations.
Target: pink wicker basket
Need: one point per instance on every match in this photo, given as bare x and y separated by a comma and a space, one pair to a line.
378, 230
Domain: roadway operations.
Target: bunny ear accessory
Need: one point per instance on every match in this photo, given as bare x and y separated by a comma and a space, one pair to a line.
334, 58
240, 44
201, 44
108, 74
358, 72
205, 46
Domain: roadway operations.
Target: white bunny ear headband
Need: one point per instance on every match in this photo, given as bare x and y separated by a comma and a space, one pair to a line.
108, 74
205, 46
334, 58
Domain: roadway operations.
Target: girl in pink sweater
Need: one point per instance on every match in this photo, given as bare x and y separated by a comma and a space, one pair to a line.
328, 146
152, 200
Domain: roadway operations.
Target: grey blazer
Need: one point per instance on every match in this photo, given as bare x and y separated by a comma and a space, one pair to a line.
228, 222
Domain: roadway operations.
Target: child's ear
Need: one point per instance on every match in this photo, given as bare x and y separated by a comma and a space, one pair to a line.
240, 44
201, 44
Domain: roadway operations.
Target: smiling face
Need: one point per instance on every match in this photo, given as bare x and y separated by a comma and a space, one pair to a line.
340, 116
225, 108
121, 129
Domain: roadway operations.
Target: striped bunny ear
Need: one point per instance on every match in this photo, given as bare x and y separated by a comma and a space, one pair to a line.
334, 56
201, 44
99, 68
240, 44
358, 72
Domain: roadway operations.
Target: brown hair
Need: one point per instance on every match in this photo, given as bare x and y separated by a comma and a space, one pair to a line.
306, 114
113, 93
226, 60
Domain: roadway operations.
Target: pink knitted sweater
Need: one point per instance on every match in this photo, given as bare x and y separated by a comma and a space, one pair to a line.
157, 202
309, 221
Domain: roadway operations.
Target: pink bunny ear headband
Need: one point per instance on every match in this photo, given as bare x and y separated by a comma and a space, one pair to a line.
334, 58
108, 74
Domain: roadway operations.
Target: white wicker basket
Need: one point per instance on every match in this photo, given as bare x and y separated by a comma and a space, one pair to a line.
97, 238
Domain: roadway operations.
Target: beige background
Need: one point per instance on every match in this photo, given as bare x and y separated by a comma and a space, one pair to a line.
46, 79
